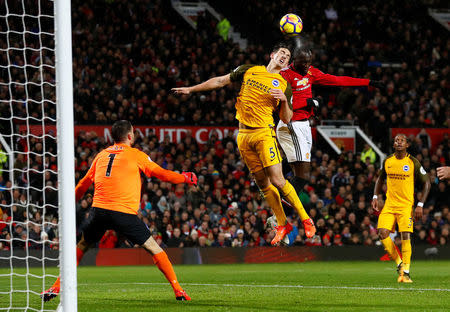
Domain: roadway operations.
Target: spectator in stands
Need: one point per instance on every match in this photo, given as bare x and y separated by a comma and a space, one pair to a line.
109, 240
223, 27
368, 153
3, 159
221, 241
175, 240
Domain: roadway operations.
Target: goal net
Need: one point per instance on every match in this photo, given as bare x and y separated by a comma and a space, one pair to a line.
37, 227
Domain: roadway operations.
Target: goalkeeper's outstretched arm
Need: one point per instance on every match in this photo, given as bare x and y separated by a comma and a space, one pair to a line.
86, 182
82, 187
173, 177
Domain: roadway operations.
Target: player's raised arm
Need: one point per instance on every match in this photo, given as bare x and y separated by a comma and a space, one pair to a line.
84, 183
151, 169
210, 84
321, 78
378, 186
345, 81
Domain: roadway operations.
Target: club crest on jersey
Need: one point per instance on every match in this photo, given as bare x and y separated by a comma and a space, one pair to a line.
406, 168
302, 82
275, 83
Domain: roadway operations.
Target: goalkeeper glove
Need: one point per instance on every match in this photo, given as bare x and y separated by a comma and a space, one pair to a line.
190, 178
377, 84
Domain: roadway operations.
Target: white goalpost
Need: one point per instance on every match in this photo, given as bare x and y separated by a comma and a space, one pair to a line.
37, 183
66, 171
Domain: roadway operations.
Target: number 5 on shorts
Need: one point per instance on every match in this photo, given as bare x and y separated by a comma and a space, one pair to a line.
272, 153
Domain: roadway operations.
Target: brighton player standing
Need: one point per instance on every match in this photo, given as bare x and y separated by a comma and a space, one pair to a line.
263, 91
116, 173
295, 137
402, 171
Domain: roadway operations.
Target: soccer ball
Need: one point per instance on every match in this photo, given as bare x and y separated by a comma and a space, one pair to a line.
291, 25
271, 223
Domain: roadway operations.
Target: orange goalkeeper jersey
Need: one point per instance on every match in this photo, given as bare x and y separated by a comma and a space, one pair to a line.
115, 172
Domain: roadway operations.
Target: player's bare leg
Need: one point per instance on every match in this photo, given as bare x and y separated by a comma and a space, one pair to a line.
275, 175
406, 253
53, 291
389, 246
165, 266
272, 195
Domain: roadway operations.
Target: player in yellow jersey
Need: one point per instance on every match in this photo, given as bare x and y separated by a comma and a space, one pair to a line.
402, 172
263, 91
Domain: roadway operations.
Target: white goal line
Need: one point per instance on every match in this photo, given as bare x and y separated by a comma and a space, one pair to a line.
281, 286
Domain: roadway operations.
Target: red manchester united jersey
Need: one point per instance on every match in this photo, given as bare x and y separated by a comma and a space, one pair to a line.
301, 87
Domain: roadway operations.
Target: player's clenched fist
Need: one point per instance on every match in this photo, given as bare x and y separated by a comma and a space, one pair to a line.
375, 204
376, 209
190, 178
418, 213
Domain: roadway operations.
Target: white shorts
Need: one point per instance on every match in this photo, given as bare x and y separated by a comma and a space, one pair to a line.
295, 139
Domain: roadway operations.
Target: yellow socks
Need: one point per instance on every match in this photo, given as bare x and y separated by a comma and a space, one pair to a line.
291, 196
406, 253
273, 198
391, 250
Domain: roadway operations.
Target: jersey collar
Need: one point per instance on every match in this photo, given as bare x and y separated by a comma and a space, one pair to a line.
119, 146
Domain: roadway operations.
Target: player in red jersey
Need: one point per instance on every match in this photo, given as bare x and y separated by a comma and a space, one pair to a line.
295, 137
116, 172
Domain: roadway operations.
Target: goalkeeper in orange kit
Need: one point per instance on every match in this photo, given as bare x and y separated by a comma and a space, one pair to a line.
116, 173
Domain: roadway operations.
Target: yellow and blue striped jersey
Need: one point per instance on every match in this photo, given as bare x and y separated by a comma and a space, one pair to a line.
255, 105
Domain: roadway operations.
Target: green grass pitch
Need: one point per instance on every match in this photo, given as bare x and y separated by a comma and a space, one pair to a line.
313, 286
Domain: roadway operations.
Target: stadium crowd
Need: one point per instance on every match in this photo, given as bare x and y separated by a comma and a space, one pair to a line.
127, 56
226, 208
